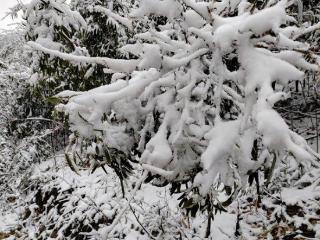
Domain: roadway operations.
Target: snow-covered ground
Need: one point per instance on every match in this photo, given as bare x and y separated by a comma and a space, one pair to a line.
155, 208
8, 221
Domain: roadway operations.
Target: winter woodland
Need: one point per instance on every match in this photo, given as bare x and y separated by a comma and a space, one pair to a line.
161, 119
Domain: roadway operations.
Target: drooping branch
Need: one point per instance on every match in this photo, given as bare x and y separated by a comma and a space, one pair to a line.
116, 65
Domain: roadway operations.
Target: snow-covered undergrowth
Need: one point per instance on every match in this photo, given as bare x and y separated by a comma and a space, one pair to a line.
288, 209
64, 205
12, 77
23, 140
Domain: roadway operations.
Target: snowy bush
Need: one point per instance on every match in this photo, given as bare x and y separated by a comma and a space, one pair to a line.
199, 93
23, 141
64, 205
103, 35
54, 24
198, 99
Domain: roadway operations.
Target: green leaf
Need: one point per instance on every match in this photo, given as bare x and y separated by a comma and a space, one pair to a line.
188, 203
194, 210
53, 100
71, 164
97, 150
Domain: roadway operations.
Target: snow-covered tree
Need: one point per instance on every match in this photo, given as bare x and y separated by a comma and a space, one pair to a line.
198, 99
22, 140
54, 25
104, 35
74, 29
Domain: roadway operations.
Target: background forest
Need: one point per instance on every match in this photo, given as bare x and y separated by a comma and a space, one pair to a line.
161, 119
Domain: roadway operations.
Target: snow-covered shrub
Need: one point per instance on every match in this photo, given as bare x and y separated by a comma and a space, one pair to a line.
72, 29
104, 34
197, 107
199, 93
64, 205
23, 141
54, 25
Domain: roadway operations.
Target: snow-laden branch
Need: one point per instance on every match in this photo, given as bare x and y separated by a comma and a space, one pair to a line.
159, 171
67, 16
117, 65
201, 9
307, 30
134, 88
172, 63
122, 20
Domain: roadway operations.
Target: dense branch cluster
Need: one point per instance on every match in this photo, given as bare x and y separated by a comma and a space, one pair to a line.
199, 92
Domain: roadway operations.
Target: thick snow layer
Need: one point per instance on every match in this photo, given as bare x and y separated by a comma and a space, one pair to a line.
168, 8
260, 23
122, 20
193, 19
215, 159
224, 226
8, 221
292, 196
151, 57
262, 70
158, 152
276, 134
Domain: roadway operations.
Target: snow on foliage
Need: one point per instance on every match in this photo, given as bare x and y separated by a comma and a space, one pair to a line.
182, 106
70, 206
192, 100
22, 140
